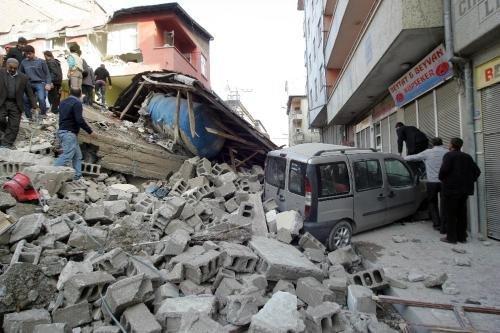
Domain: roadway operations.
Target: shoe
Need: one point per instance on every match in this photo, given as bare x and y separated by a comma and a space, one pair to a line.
445, 240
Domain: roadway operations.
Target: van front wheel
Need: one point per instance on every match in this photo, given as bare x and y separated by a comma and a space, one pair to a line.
340, 235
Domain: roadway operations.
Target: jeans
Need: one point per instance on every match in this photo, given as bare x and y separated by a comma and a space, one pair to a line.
40, 95
71, 153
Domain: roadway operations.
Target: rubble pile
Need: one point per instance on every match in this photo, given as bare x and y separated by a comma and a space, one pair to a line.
200, 252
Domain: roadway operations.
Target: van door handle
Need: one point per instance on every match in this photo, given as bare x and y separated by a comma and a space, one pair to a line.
391, 194
381, 196
281, 197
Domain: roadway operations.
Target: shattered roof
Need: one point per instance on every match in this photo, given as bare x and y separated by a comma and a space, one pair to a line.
244, 145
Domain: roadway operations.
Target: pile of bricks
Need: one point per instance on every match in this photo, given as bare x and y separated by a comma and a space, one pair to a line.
205, 258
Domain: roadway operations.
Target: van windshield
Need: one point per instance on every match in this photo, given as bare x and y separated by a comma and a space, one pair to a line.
275, 171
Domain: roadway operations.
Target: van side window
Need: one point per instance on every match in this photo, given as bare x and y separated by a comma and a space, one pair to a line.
296, 178
367, 175
333, 179
398, 174
275, 171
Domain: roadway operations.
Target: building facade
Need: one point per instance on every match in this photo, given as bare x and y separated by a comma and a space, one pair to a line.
430, 64
298, 122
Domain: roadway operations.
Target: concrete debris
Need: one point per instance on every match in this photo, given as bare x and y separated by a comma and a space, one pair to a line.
359, 299
462, 261
416, 276
435, 280
450, 288
399, 239
201, 256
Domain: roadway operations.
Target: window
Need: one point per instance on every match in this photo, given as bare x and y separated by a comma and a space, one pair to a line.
122, 38
333, 179
398, 174
275, 171
367, 175
378, 135
296, 177
204, 70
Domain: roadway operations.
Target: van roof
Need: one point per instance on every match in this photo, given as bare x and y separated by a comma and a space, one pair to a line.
307, 150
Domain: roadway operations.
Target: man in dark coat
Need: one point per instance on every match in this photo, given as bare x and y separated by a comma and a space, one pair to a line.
17, 52
416, 140
13, 85
55, 70
458, 174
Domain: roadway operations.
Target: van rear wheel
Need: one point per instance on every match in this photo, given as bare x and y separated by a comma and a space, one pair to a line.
340, 235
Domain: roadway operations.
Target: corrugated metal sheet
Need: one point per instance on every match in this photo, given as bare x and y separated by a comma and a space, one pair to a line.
448, 112
426, 121
411, 114
490, 101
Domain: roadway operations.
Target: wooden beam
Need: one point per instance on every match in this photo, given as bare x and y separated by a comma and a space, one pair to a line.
462, 318
176, 86
129, 105
228, 136
247, 159
192, 120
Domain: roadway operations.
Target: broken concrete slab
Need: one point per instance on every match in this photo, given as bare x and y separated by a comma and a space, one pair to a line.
172, 309
282, 261
313, 292
290, 220
173, 244
87, 238
279, 314
73, 315
308, 241
86, 286
27, 227
138, 319
435, 280
321, 318
199, 322
49, 177
25, 321
345, 256
102, 213
72, 268
52, 328
127, 292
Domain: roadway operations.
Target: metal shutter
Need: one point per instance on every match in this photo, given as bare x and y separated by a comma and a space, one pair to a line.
358, 139
411, 114
384, 131
447, 111
393, 119
426, 121
490, 100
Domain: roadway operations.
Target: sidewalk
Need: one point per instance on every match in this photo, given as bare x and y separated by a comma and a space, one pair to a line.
424, 253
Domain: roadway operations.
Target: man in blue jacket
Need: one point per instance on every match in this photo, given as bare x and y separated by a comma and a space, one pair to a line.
70, 122
37, 71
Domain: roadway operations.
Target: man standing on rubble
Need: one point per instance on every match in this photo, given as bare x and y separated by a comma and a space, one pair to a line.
458, 174
17, 52
70, 122
11, 101
56, 75
101, 75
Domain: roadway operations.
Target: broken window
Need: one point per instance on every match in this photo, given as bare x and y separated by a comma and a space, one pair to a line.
122, 39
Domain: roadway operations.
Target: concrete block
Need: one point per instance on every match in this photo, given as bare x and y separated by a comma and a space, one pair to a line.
231, 205
269, 205
145, 205
172, 309
117, 194
320, 318
259, 225
138, 319
86, 286
25, 321
190, 254
117, 206
359, 299
199, 193
228, 287
49, 177
240, 309
372, 278
284, 236
87, 238
100, 213
308, 241
52, 265
178, 188
74, 186
345, 256
279, 314
113, 262
107, 329
52, 328
89, 169
94, 195
79, 195
435, 280
282, 261
188, 287
196, 322
71, 269
337, 271
339, 287
203, 167
141, 265
6, 201
316, 255
167, 290
73, 219
193, 221
226, 190
253, 281
127, 292
173, 244
238, 258
58, 228
222, 274
73, 315
198, 181
28, 227
271, 221
26, 252
203, 267
176, 274
289, 220
313, 292
284, 285
175, 225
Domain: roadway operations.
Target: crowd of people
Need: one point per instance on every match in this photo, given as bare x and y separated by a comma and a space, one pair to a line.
451, 175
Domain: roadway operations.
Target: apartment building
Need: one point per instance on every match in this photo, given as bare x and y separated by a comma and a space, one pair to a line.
298, 121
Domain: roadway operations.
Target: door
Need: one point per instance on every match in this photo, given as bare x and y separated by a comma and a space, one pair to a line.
275, 180
401, 194
294, 196
335, 199
369, 193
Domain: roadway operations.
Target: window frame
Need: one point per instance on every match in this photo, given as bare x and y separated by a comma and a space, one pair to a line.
304, 165
277, 158
368, 188
320, 183
412, 181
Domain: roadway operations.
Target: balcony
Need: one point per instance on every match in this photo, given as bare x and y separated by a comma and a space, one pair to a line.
296, 116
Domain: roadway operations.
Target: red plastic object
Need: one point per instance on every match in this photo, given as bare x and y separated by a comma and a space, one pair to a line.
20, 188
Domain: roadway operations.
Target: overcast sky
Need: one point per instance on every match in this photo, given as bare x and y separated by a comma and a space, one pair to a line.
257, 46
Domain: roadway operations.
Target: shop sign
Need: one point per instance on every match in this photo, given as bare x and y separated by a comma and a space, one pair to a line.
488, 73
427, 74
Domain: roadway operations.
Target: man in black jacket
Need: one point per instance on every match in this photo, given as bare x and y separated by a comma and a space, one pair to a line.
55, 70
13, 85
17, 52
101, 75
416, 141
458, 174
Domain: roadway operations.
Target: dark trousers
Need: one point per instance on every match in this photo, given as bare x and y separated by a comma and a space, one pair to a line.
433, 195
88, 91
456, 217
54, 96
10, 118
